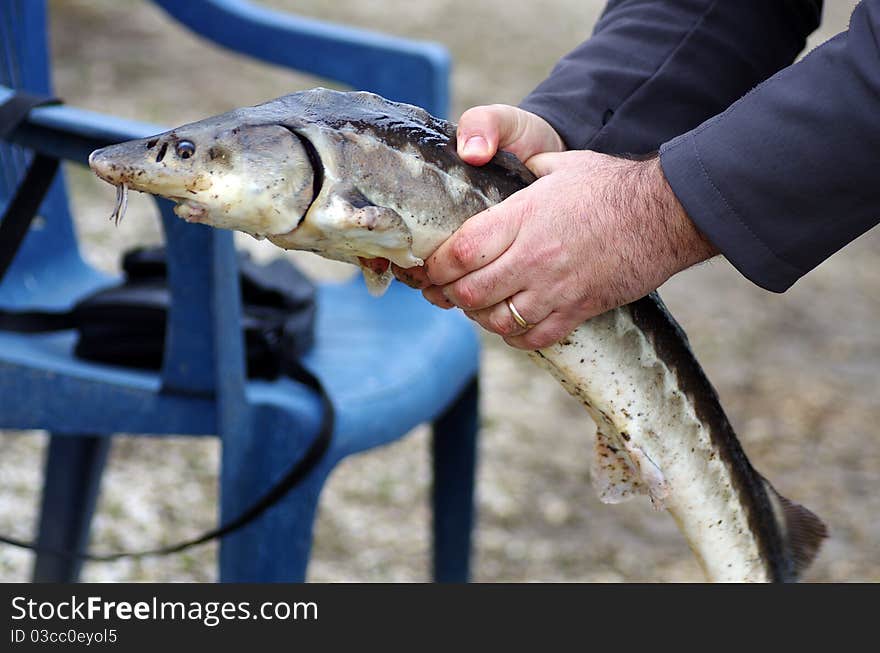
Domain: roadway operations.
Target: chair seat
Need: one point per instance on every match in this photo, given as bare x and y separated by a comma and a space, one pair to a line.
418, 358
411, 360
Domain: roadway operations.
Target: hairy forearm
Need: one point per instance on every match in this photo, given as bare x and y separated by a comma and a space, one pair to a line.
677, 237
660, 238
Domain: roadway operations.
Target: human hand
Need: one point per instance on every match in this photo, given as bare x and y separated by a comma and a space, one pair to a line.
482, 131
592, 233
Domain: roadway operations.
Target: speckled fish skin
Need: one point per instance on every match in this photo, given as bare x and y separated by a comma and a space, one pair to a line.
352, 176
344, 175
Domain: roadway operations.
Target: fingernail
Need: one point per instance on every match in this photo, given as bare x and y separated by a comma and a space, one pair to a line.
475, 145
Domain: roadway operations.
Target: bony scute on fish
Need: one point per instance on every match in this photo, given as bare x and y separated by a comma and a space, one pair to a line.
360, 179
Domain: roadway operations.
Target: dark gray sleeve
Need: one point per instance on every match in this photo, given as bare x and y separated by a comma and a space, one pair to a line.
654, 69
789, 174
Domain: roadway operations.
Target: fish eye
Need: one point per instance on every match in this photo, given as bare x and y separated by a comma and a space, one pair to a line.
185, 149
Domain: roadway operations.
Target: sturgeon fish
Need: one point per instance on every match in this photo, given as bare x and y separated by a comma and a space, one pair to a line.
357, 178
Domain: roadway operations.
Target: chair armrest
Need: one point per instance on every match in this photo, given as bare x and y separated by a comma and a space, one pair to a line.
71, 134
202, 266
400, 69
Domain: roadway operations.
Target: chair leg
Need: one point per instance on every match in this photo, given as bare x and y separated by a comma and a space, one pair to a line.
72, 480
455, 455
276, 546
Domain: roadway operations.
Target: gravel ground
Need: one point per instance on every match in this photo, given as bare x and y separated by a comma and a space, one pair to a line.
797, 372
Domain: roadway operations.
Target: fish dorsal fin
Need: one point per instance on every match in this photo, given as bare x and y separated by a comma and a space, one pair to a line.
802, 531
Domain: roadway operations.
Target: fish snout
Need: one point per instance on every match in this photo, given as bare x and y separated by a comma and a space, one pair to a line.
103, 163
129, 163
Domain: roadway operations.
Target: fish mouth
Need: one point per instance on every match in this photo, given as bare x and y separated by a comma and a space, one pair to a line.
190, 210
112, 174
186, 208
125, 177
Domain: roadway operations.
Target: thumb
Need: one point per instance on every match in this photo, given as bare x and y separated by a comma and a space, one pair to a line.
483, 130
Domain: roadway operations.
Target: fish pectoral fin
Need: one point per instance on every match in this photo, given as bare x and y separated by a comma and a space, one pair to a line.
621, 470
377, 274
615, 479
369, 230
802, 531
650, 474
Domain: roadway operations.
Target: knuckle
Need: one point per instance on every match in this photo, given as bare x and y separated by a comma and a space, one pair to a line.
462, 251
557, 251
465, 296
482, 321
500, 325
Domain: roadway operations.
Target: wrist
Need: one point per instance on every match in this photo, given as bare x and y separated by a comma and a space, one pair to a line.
681, 242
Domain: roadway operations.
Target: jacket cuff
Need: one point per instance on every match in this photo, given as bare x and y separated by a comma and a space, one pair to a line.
718, 220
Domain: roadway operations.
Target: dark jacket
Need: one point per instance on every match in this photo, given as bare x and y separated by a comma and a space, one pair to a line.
786, 175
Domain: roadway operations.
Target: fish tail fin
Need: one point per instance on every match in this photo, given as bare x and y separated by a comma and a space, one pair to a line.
802, 531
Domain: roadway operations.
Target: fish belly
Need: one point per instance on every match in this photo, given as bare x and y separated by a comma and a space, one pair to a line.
661, 446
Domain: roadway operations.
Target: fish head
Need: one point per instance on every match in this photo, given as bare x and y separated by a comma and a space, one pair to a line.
221, 172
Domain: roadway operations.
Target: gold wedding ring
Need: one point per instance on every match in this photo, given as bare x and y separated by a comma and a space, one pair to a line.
516, 316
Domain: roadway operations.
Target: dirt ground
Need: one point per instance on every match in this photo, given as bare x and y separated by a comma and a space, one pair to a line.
796, 373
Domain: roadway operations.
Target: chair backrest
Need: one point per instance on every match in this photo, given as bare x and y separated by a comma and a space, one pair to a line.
48, 269
399, 69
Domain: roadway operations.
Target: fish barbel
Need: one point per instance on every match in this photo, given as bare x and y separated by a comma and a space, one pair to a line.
360, 179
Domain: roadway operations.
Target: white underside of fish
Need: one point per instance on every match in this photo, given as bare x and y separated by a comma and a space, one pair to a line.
650, 441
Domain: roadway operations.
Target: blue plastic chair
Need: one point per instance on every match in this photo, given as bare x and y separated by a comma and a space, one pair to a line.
388, 364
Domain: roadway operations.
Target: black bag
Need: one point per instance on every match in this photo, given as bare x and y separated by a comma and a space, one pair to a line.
125, 324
